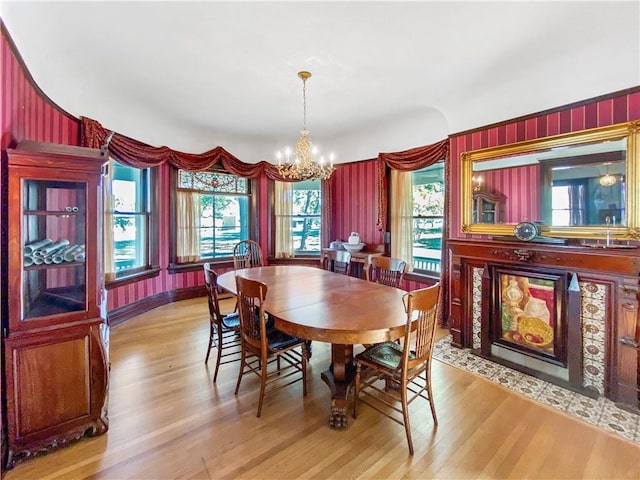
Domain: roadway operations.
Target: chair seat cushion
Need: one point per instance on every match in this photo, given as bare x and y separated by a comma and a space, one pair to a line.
386, 354
231, 320
279, 340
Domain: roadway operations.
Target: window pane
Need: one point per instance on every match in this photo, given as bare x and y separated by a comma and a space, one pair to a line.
129, 241
306, 222
224, 221
127, 189
306, 234
130, 218
428, 217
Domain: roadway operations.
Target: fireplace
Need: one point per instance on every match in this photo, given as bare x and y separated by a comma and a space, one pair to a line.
531, 321
595, 296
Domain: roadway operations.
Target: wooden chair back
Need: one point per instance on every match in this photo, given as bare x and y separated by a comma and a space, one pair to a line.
247, 254
251, 295
338, 261
223, 329
272, 355
422, 319
211, 284
387, 271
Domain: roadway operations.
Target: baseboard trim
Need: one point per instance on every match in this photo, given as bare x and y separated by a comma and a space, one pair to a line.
122, 314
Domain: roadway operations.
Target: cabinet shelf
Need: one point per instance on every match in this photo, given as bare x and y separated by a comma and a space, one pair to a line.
56, 213
57, 302
46, 266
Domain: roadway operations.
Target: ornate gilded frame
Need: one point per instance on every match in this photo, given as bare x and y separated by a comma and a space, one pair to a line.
628, 130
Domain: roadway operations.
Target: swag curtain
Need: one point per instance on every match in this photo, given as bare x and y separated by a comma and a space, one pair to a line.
133, 153
405, 161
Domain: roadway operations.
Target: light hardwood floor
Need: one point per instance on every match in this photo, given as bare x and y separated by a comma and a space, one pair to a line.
168, 421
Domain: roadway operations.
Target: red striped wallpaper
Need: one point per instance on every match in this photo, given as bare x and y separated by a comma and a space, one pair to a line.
518, 185
355, 202
27, 114
602, 113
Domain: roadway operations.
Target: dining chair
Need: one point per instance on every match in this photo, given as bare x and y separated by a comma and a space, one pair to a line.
338, 261
274, 356
389, 374
224, 331
247, 254
387, 270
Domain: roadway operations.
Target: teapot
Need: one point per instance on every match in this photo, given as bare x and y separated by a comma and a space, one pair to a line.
354, 238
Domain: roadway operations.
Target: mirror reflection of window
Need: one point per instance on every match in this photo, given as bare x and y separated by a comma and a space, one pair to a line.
568, 204
591, 192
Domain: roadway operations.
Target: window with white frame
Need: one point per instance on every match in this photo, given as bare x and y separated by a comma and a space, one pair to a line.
298, 218
212, 214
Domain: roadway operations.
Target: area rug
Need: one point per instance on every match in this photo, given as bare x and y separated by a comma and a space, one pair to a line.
601, 412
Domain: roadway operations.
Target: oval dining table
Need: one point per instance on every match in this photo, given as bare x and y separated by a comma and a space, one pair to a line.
316, 304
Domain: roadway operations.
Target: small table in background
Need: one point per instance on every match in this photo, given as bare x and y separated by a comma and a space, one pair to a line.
362, 259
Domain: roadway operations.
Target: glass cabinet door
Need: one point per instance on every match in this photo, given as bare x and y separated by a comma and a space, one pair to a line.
53, 243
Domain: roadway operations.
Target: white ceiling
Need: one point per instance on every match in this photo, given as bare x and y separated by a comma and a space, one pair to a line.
387, 76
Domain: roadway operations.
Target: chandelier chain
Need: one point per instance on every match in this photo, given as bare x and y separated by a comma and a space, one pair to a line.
304, 103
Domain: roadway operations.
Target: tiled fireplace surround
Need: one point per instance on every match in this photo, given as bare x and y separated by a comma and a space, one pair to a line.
606, 306
592, 316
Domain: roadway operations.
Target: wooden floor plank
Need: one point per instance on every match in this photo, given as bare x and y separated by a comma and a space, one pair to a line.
168, 421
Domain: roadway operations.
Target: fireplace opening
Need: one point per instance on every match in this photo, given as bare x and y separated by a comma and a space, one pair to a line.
531, 322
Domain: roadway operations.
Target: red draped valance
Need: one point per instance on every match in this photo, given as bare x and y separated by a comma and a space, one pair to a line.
408, 160
133, 153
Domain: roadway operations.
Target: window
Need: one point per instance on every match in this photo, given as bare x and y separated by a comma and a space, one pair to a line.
212, 214
428, 217
298, 208
417, 217
130, 220
568, 202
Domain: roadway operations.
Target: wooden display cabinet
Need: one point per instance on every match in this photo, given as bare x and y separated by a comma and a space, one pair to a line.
55, 334
487, 207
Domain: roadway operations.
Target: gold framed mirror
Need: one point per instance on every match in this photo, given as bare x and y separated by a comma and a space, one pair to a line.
576, 185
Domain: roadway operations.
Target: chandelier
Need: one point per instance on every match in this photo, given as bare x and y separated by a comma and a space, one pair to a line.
607, 180
303, 163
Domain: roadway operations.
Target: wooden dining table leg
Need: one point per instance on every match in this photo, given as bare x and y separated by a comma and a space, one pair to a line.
339, 377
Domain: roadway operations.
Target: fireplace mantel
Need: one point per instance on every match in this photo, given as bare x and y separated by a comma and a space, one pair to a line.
605, 299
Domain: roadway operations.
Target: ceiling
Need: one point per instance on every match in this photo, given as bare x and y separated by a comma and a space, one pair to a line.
387, 76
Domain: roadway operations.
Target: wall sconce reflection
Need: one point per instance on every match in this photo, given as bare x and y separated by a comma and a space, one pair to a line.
477, 183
